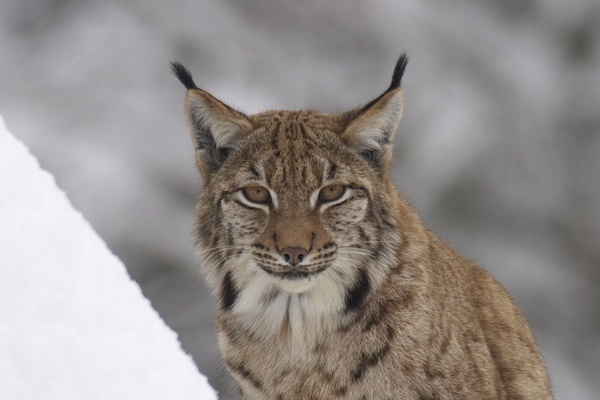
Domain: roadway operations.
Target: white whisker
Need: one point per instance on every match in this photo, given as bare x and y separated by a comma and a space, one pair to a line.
355, 251
211, 252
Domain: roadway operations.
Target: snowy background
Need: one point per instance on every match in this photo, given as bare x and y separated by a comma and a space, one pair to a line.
73, 325
499, 148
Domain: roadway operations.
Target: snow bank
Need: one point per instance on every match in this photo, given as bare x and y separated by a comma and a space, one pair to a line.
72, 323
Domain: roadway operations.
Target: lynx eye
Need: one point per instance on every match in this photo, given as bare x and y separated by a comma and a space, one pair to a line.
257, 194
331, 193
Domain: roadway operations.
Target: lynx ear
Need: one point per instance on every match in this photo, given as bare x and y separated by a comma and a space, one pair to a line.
371, 129
215, 127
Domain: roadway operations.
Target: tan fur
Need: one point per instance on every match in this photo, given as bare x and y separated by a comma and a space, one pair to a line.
388, 311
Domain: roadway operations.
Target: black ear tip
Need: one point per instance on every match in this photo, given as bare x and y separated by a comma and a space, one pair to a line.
399, 71
183, 75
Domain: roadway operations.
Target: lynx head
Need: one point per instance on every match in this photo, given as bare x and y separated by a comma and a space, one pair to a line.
295, 203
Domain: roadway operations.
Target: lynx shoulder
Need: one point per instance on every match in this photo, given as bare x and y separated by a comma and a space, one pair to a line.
328, 285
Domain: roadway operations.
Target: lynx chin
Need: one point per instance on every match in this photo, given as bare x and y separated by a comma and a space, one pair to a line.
327, 282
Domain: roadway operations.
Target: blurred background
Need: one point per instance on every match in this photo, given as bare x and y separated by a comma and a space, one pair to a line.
499, 149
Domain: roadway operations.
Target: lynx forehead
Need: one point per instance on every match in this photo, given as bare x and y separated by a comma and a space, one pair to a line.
328, 284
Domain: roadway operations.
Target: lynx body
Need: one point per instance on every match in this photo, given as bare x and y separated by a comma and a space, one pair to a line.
328, 284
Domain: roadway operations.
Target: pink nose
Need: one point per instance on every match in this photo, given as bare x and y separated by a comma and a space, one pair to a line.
293, 255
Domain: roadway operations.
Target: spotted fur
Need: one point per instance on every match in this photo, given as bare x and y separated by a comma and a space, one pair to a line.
375, 306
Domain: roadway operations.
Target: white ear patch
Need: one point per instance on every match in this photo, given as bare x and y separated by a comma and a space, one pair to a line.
224, 127
215, 128
374, 129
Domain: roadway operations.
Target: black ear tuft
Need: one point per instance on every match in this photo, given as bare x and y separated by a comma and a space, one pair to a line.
398, 72
183, 75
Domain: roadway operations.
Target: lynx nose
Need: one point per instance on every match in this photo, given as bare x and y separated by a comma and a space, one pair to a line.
294, 255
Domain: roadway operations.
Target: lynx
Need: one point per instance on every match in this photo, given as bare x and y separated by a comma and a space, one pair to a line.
328, 284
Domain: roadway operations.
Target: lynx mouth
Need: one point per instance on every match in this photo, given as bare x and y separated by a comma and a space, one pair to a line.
295, 280
294, 274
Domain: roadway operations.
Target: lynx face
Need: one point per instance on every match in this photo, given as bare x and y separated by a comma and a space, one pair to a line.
298, 209
294, 202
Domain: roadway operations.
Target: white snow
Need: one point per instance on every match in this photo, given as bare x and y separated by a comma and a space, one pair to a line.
73, 325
